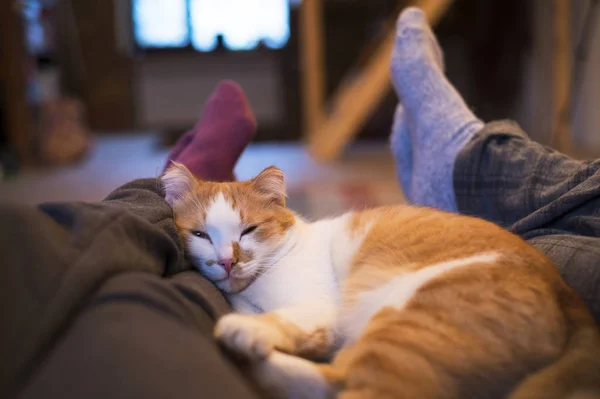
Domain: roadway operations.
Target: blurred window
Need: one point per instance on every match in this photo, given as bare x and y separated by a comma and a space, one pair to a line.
242, 24
160, 23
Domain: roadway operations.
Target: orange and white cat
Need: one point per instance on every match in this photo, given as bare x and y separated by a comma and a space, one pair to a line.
413, 302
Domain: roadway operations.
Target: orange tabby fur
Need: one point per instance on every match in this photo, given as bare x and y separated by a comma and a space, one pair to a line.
475, 331
503, 324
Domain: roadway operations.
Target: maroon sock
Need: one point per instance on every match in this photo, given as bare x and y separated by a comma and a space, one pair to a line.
211, 149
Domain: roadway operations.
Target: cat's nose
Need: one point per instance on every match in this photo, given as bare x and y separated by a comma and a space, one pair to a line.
228, 264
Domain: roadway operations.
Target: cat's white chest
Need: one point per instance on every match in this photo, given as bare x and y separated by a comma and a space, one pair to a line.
310, 272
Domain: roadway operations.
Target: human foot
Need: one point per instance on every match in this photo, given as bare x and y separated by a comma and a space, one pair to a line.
211, 149
433, 123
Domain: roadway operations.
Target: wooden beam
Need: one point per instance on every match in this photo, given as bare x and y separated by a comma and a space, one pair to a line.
353, 104
358, 96
313, 69
561, 76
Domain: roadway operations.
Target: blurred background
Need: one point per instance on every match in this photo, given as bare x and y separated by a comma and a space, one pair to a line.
94, 93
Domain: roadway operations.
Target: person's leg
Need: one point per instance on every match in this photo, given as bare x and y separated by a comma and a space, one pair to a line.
211, 149
86, 300
503, 176
141, 336
447, 159
578, 260
59, 257
433, 122
547, 198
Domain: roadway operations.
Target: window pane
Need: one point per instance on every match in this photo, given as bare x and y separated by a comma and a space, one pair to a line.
160, 23
241, 23
276, 23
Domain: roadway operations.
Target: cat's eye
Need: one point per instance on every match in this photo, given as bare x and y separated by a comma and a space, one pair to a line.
201, 234
249, 230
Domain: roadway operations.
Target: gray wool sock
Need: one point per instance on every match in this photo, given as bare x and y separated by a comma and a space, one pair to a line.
433, 123
401, 146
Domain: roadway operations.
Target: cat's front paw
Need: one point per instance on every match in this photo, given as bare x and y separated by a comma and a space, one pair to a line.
247, 336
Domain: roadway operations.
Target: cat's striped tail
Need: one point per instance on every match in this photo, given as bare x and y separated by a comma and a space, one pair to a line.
576, 373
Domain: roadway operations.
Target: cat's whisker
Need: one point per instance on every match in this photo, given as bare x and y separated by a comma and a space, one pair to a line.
256, 274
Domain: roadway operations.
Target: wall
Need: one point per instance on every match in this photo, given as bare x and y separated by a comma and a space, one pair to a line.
170, 91
535, 110
586, 123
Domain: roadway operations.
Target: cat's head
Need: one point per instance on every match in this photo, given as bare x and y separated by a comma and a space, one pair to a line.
234, 230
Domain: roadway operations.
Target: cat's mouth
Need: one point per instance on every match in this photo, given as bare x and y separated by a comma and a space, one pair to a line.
243, 272
240, 277
233, 285
240, 271
238, 280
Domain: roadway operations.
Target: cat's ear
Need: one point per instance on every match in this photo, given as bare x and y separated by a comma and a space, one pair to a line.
177, 180
271, 184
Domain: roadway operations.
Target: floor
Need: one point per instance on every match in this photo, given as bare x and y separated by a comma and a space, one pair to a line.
364, 177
